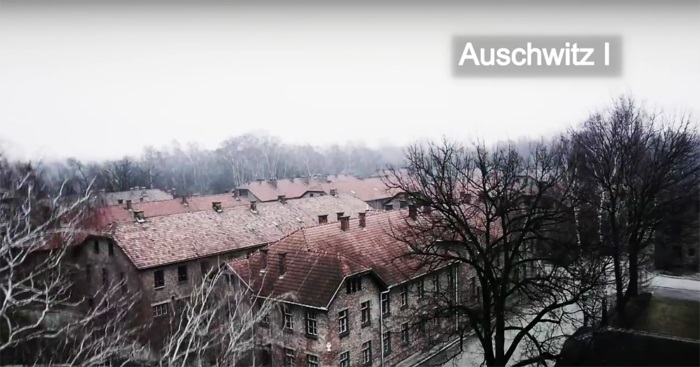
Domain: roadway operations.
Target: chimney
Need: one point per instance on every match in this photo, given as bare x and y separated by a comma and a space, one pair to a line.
253, 206
184, 201
128, 204
412, 211
216, 205
340, 215
291, 179
334, 192
283, 263
345, 223
323, 219
282, 199
138, 216
363, 219
273, 182
263, 258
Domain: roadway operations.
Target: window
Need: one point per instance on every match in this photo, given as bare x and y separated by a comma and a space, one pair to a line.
204, 266
120, 201
366, 317
105, 276
310, 358
404, 333
182, 273
88, 273
110, 248
472, 287
160, 310
354, 285
388, 207
367, 352
287, 318
403, 204
288, 357
343, 322
386, 342
404, 296
386, 303
345, 359
311, 195
450, 281
158, 279
436, 283
97, 246
421, 288
311, 325
180, 305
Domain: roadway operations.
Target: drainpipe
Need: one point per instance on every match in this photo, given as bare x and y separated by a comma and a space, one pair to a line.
455, 276
381, 326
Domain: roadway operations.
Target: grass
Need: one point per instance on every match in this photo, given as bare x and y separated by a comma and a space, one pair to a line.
669, 316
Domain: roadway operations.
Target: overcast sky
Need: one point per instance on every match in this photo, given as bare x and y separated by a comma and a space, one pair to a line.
104, 81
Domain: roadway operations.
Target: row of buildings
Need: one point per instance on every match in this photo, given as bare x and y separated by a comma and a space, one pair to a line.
372, 190
354, 294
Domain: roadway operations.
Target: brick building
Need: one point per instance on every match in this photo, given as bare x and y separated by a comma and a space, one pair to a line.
164, 248
372, 190
348, 295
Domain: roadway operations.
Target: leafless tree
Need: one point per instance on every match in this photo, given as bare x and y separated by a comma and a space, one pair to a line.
507, 220
42, 320
214, 324
642, 165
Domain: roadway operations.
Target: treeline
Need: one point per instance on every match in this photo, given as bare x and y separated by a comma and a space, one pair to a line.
191, 169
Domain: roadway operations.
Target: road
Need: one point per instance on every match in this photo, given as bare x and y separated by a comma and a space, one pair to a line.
675, 287
472, 355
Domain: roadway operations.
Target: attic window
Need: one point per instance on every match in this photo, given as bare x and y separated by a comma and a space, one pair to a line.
120, 201
353, 285
323, 219
216, 205
139, 217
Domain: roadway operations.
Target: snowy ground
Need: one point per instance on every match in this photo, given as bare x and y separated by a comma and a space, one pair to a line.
664, 286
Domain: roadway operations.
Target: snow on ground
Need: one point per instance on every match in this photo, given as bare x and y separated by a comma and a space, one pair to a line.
472, 356
675, 282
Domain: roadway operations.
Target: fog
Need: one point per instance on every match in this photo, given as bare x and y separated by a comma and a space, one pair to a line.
103, 81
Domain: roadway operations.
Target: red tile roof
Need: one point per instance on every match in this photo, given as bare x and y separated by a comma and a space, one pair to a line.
185, 236
319, 258
104, 216
366, 189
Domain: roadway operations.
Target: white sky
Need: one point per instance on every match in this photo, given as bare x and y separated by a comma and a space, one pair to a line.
102, 82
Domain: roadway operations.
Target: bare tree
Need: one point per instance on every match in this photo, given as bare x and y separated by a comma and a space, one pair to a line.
507, 221
214, 324
641, 164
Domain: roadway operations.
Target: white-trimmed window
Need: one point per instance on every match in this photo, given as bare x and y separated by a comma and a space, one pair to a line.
311, 324
367, 352
404, 296
287, 318
160, 309
343, 322
366, 316
312, 360
344, 359
288, 357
